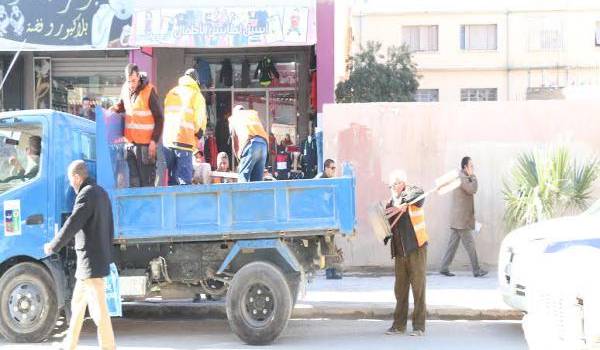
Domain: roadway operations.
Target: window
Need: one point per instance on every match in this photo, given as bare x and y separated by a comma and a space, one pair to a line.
420, 38
20, 151
427, 95
479, 94
545, 34
478, 37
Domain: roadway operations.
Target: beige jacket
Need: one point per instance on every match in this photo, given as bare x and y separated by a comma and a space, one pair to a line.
463, 206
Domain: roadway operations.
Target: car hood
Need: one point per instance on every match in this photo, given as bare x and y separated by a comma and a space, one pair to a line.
559, 229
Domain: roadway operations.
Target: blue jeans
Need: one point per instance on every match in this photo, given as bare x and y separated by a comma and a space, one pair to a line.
179, 166
253, 160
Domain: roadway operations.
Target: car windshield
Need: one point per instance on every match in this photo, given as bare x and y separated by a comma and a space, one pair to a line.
594, 209
20, 149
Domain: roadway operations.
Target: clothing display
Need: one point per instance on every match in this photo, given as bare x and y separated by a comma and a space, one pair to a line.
204, 73
266, 72
226, 76
211, 151
245, 73
309, 156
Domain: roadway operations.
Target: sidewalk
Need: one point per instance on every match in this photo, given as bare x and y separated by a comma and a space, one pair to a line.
366, 295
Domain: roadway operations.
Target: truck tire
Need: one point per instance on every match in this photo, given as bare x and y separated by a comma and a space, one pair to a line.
259, 303
28, 305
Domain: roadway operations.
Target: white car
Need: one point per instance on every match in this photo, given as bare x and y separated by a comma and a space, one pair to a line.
563, 298
520, 252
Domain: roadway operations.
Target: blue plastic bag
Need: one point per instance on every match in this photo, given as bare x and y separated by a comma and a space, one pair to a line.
113, 294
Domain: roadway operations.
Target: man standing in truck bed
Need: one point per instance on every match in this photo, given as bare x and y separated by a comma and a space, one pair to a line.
143, 126
249, 140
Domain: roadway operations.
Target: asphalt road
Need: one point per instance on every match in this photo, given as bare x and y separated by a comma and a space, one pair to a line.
174, 334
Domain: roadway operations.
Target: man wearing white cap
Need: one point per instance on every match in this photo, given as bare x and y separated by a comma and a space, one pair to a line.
250, 142
409, 249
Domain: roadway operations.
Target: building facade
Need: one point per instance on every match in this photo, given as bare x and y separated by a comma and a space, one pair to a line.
490, 51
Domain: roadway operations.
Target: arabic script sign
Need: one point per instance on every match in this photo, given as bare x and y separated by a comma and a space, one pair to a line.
63, 24
224, 26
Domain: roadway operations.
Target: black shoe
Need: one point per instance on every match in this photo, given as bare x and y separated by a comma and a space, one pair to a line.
447, 273
332, 274
481, 273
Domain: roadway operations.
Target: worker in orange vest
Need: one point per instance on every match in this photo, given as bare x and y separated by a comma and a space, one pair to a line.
249, 140
185, 118
142, 128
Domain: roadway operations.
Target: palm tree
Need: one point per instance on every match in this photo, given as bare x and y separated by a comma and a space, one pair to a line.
546, 184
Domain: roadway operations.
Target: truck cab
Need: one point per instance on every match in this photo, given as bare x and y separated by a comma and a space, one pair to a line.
36, 199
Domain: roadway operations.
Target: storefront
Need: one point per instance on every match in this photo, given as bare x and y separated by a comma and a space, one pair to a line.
258, 55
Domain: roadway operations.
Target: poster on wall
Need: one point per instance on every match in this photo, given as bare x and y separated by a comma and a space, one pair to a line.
12, 217
65, 24
209, 27
42, 92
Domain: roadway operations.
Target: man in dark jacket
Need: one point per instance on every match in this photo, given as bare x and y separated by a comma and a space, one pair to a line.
462, 222
91, 224
409, 249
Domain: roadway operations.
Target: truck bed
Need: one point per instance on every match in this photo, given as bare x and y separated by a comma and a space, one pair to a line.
234, 211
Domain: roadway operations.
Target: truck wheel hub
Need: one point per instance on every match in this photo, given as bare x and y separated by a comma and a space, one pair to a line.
25, 303
259, 303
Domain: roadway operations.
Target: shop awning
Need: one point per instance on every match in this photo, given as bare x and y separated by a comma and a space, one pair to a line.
51, 25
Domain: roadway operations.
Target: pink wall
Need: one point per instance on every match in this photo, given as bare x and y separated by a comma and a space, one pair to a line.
325, 52
428, 139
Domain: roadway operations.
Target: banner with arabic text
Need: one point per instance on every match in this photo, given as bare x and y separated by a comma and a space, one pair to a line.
64, 24
224, 27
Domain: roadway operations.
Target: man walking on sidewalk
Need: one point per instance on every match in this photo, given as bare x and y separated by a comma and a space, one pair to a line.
462, 222
409, 249
91, 224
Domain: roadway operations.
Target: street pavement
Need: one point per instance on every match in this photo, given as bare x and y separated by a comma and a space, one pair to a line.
367, 295
301, 334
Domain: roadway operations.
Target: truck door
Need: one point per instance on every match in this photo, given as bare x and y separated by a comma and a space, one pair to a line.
23, 187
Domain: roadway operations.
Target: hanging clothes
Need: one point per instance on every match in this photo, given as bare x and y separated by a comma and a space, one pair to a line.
226, 76
245, 73
204, 73
282, 164
313, 90
309, 157
211, 151
266, 71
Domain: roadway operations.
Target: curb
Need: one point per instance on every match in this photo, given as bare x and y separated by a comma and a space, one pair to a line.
216, 310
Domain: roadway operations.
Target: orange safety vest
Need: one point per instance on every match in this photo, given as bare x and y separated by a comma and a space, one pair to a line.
139, 122
180, 118
417, 218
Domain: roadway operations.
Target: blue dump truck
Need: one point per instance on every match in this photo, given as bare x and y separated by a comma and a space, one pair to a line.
250, 243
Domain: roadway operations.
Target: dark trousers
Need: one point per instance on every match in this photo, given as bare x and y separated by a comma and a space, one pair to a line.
142, 168
410, 273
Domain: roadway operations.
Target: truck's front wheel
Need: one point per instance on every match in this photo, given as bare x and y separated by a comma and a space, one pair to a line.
28, 305
259, 303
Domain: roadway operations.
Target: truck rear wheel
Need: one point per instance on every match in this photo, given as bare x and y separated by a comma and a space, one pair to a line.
28, 305
259, 303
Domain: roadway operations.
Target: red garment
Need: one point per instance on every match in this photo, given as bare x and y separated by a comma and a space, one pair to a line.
313, 90
211, 144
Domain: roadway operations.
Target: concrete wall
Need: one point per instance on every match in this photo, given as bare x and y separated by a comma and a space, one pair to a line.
428, 139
